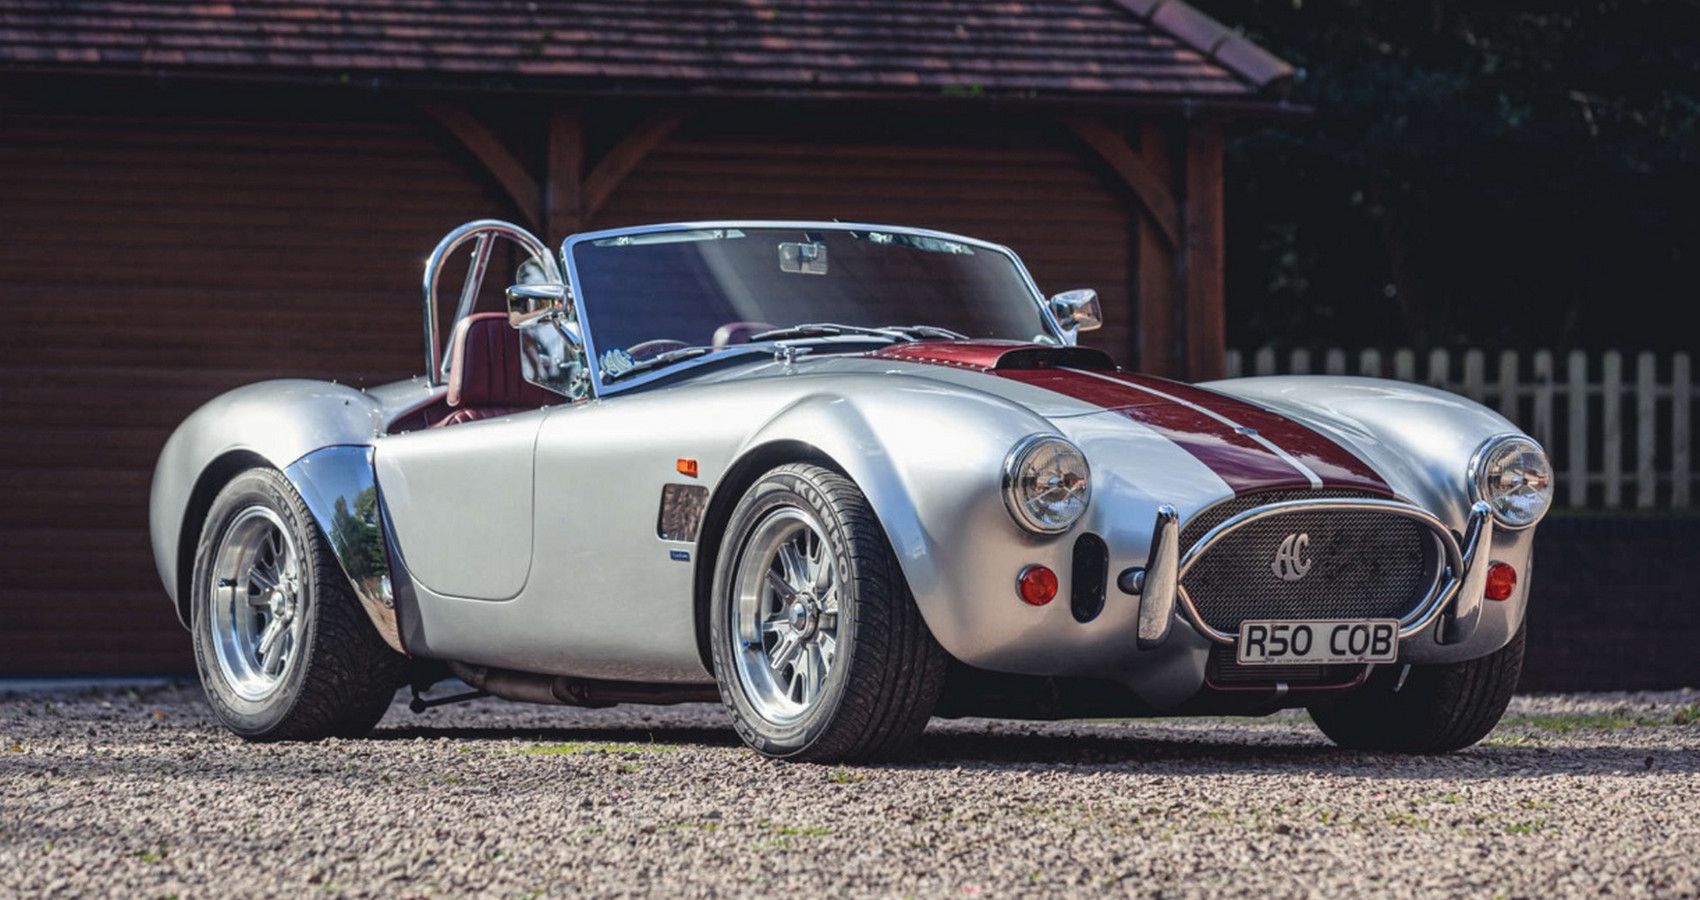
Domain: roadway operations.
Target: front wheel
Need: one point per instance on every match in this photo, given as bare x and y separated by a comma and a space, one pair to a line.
819, 650
283, 648
1430, 709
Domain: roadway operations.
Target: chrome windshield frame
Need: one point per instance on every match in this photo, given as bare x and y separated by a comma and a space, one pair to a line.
588, 332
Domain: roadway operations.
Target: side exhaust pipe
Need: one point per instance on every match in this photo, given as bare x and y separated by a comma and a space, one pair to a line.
560, 690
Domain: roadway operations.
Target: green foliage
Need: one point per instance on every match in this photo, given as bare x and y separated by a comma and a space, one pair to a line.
1504, 174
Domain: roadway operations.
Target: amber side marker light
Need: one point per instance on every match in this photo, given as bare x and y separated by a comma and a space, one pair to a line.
688, 468
1501, 581
1037, 585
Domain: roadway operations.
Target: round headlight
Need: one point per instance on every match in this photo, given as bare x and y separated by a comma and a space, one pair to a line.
1511, 473
1046, 484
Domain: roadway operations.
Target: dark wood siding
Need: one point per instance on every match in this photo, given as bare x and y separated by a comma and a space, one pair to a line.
152, 262
149, 264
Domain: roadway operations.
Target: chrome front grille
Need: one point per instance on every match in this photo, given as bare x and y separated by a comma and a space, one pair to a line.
1362, 564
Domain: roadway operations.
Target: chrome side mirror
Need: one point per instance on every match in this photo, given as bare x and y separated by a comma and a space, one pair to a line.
1078, 310
530, 304
551, 356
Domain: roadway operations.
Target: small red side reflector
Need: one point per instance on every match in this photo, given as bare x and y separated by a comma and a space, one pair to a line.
688, 468
1501, 581
1037, 585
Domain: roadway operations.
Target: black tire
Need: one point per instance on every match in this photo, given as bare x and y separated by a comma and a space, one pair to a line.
1437, 710
340, 677
882, 686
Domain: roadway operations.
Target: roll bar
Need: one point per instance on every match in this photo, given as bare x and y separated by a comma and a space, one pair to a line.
482, 233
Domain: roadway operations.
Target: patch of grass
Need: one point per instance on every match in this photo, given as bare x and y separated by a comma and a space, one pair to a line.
630, 768
1529, 827
151, 856
784, 830
1449, 798
1529, 803
1569, 723
1401, 819
1500, 739
579, 748
844, 776
1687, 715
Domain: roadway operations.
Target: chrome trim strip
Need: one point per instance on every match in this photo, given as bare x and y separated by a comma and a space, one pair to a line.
593, 360
1161, 579
340, 488
1467, 612
1452, 576
1265, 443
481, 230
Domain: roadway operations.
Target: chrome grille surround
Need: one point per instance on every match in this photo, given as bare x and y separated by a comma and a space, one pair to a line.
1420, 579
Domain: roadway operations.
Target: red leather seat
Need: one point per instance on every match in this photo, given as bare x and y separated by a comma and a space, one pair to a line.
484, 373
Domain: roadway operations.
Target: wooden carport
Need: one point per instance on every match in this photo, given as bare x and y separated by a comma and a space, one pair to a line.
245, 192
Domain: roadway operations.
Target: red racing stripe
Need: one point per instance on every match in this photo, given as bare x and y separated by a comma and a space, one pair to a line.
1190, 417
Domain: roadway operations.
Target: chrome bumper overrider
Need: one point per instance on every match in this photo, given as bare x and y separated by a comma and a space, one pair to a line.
1462, 574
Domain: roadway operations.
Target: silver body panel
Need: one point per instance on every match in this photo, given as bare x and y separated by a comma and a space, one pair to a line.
530, 541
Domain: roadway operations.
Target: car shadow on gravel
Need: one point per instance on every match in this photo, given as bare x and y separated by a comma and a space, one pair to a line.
620, 734
1043, 752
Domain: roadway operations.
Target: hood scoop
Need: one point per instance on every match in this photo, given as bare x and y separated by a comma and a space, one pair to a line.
999, 356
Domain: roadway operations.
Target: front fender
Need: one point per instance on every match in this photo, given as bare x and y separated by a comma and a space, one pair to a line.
1419, 438
930, 463
272, 423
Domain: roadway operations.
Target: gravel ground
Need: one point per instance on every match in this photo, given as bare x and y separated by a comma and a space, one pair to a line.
134, 791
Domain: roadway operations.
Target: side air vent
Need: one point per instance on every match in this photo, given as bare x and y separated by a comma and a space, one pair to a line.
1091, 575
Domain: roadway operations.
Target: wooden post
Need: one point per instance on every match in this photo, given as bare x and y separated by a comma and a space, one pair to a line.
1156, 282
1646, 406
1681, 395
1611, 426
1576, 390
1206, 334
563, 185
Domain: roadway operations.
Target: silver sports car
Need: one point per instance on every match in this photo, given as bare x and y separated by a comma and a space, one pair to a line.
842, 478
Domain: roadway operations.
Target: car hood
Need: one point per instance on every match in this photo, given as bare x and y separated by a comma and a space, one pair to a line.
1249, 447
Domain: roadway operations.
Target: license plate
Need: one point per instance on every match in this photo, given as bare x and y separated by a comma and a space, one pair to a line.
1318, 641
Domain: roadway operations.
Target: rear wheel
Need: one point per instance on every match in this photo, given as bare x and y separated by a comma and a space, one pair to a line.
283, 648
819, 650
1431, 709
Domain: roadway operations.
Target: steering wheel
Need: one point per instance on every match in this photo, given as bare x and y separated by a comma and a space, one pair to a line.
482, 234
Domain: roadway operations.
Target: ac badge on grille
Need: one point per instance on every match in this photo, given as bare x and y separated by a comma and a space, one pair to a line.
1290, 563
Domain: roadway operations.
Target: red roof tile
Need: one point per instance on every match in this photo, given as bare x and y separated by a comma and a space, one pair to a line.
1038, 48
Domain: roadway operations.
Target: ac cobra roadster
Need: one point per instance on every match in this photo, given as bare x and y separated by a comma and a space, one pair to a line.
841, 478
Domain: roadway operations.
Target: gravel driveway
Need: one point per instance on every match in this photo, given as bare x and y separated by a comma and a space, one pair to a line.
136, 792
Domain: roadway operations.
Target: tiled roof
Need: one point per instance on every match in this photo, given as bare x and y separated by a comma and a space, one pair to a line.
1037, 48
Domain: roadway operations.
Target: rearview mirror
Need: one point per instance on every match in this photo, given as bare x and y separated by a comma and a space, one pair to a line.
529, 304
1078, 310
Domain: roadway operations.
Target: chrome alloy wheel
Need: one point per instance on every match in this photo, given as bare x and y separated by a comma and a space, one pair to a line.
785, 615
256, 609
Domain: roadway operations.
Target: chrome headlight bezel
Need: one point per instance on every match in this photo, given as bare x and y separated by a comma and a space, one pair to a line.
1482, 464
1017, 485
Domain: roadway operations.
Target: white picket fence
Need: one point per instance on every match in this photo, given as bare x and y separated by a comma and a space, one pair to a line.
1589, 416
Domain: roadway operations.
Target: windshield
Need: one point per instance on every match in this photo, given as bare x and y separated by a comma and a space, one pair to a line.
649, 294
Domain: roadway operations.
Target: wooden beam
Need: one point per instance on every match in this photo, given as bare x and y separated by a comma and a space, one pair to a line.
1156, 288
489, 150
624, 157
563, 192
1206, 333
1156, 201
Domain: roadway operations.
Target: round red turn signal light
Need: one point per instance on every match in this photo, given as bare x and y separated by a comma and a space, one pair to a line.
1037, 585
1501, 581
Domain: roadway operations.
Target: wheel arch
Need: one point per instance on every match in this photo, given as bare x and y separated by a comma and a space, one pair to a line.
744, 471
212, 479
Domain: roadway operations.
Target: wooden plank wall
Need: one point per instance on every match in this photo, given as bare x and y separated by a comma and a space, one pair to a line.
151, 262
